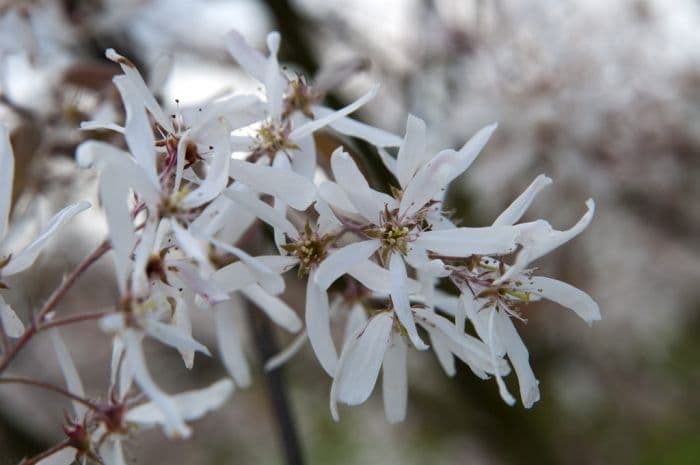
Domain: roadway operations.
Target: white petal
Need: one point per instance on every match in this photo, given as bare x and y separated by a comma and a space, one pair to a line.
7, 170
137, 129
112, 452
230, 343
251, 60
293, 188
470, 350
192, 246
101, 125
519, 357
502, 389
358, 373
463, 242
350, 127
376, 278
520, 205
183, 323
160, 72
272, 282
26, 257
412, 153
10, 321
287, 353
443, 353
399, 297
193, 404
217, 176
318, 326
275, 308
274, 83
357, 318
336, 197
142, 93
564, 294
202, 286
304, 159
70, 373
350, 178
173, 336
435, 175
172, 419
539, 238
65, 456
263, 211
318, 123
394, 380
342, 260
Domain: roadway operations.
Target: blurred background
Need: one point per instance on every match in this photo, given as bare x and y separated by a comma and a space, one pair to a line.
601, 95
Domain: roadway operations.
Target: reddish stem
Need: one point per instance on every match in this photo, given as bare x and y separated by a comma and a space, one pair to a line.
50, 387
37, 458
54, 299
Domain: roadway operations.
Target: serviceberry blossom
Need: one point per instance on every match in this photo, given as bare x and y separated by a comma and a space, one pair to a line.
209, 207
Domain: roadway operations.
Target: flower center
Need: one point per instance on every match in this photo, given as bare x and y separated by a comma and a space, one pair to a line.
272, 138
311, 249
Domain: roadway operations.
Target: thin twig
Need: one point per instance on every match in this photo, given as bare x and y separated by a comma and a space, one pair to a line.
37, 458
54, 299
74, 319
50, 387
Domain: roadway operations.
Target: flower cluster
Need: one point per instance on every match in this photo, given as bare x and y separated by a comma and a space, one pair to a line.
189, 186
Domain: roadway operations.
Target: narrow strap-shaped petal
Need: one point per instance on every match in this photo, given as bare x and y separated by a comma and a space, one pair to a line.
502, 389
340, 261
112, 452
443, 353
564, 294
350, 127
263, 211
539, 238
24, 259
173, 336
183, 323
70, 372
520, 205
287, 353
435, 175
352, 181
376, 278
11, 323
274, 83
318, 326
318, 123
137, 129
412, 153
395, 380
336, 197
463, 242
519, 357
358, 373
272, 282
193, 404
7, 170
399, 297
298, 191
230, 341
251, 60
172, 418
142, 93
470, 350
276, 308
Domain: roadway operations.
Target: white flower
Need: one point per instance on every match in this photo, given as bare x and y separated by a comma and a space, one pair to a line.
379, 343
285, 130
399, 228
101, 430
492, 290
13, 262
